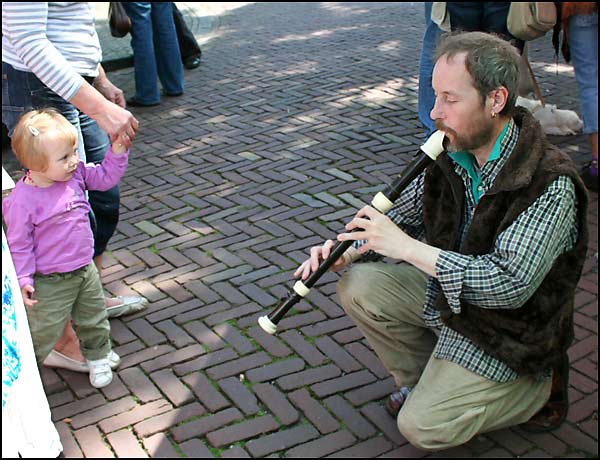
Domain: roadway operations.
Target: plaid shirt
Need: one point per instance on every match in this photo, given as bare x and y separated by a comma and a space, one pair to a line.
506, 277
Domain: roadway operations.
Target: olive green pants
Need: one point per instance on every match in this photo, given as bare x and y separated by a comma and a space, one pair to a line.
77, 295
449, 404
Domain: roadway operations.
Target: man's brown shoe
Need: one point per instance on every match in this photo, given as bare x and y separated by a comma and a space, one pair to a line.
555, 411
396, 400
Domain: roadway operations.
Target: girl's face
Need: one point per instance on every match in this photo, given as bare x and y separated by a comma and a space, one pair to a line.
62, 160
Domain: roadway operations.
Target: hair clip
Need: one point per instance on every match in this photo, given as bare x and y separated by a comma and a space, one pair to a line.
33, 130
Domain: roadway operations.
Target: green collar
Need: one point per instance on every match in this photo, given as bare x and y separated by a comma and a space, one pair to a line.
467, 161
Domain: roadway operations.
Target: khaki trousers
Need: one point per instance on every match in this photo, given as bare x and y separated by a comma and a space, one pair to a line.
449, 404
77, 295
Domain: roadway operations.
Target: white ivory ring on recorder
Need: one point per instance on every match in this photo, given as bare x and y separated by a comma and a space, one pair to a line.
267, 325
301, 289
381, 203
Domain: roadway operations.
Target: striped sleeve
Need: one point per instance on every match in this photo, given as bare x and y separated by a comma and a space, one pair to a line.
24, 26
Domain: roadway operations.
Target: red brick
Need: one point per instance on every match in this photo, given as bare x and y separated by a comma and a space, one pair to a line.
199, 427
275, 370
327, 327
241, 431
384, 422
163, 422
170, 385
242, 398
314, 411
194, 448
368, 359
323, 446
583, 408
126, 444
338, 355
77, 407
307, 351
206, 392
204, 335
91, 442
280, 440
232, 336
169, 359
70, 447
351, 417
277, 403
102, 412
205, 361
342, 384
269, 342
159, 446
140, 385
134, 416
578, 440
239, 365
375, 391
299, 379
583, 348
371, 448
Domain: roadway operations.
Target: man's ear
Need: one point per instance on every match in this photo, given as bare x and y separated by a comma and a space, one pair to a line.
498, 98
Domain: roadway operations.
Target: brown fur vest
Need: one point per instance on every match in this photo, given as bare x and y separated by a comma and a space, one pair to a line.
531, 338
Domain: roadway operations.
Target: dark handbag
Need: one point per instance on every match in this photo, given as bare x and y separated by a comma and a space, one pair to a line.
120, 24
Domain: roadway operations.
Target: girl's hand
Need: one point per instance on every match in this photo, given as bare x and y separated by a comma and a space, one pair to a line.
27, 292
122, 144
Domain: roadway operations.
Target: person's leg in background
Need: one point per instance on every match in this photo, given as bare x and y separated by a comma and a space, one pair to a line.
426, 93
144, 59
188, 46
166, 48
583, 44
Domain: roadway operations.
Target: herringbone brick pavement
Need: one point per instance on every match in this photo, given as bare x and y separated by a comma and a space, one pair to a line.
299, 113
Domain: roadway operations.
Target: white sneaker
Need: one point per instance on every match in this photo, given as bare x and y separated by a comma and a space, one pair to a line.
100, 372
113, 360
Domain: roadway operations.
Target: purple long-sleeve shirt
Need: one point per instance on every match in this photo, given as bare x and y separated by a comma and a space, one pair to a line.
48, 229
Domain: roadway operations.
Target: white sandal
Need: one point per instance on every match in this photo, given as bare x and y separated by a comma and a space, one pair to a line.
128, 305
58, 360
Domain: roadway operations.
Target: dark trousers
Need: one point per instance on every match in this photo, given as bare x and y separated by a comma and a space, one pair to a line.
483, 17
188, 46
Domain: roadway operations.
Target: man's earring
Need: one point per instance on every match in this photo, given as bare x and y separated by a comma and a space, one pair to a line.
494, 114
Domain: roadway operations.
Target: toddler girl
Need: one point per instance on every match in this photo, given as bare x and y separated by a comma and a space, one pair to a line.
50, 237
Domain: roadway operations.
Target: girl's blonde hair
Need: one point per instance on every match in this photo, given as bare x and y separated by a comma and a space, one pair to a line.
35, 126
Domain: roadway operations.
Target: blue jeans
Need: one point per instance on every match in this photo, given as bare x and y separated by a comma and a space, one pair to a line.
583, 43
23, 91
156, 52
426, 93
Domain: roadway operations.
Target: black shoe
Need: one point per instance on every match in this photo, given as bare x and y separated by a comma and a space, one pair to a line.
192, 62
163, 93
591, 182
132, 102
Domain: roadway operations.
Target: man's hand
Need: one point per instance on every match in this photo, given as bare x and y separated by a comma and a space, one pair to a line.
27, 292
384, 237
319, 254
